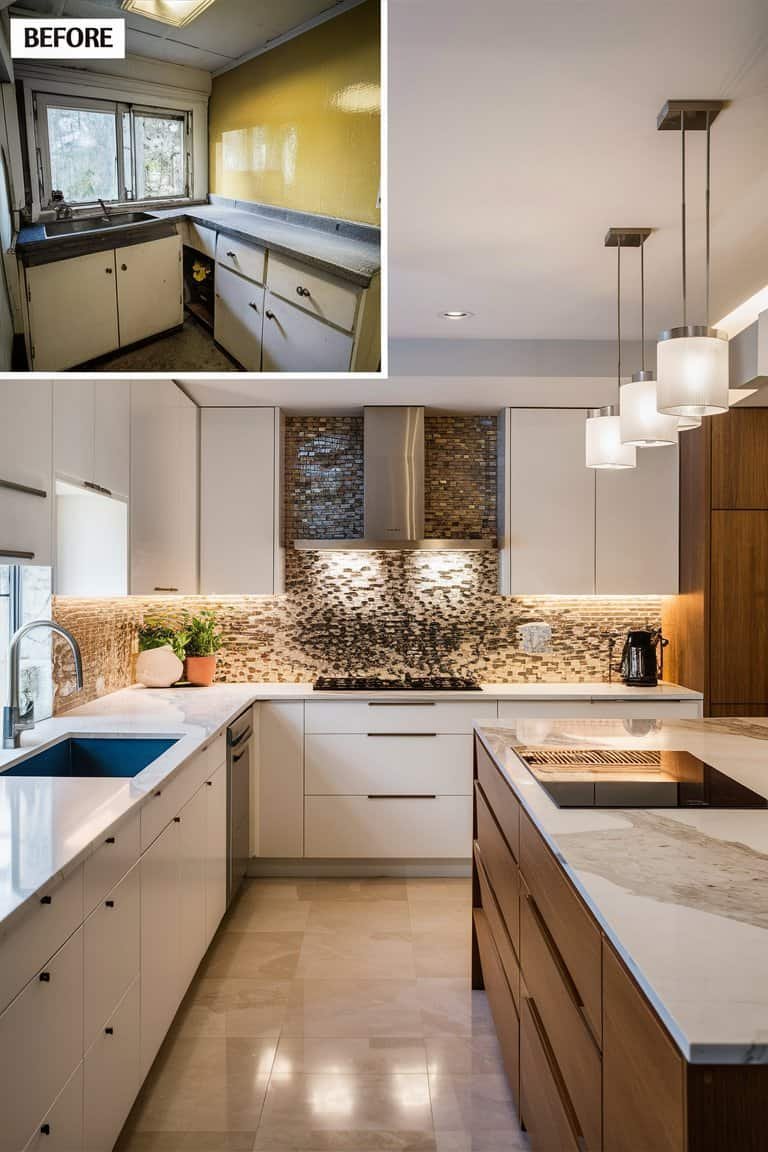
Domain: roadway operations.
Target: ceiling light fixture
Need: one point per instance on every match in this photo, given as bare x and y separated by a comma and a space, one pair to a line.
641, 424
455, 315
692, 360
176, 12
604, 448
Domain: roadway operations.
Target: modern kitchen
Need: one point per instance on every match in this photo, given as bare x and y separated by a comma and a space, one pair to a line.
209, 203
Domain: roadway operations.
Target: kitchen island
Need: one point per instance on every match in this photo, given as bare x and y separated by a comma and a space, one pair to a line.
624, 950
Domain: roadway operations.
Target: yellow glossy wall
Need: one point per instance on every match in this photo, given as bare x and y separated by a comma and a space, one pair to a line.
299, 126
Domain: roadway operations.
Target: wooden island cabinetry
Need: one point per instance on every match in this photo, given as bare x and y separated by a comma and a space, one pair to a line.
590, 1065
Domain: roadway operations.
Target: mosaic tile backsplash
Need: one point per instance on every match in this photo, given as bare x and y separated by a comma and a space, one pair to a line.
371, 612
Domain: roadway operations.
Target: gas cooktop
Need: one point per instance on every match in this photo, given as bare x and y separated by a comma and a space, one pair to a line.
628, 778
392, 684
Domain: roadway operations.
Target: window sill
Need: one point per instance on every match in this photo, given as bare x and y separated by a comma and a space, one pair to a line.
84, 211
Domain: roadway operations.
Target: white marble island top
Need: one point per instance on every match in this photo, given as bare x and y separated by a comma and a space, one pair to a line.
682, 894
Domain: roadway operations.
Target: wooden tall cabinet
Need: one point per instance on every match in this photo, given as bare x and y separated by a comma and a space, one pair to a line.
718, 625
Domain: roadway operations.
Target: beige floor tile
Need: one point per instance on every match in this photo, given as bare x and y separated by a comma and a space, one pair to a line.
206, 1084
335, 955
464, 1055
441, 921
234, 1007
343, 1111
256, 912
338, 889
186, 1142
440, 891
442, 957
370, 1057
359, 916
354, 1008
449, 1007
253, 955
503, 1141
473, 1104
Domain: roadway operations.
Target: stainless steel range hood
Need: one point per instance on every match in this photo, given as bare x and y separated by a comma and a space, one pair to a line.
393, 439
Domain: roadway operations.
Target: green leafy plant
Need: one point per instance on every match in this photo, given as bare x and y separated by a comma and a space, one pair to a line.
203, 636
154, 633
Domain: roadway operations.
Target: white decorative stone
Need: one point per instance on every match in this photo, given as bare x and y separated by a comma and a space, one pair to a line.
158, 667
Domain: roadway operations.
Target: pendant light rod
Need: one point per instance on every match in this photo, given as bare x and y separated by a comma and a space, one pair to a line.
618, 310
628, 238
642, 308
706, 202
683, 219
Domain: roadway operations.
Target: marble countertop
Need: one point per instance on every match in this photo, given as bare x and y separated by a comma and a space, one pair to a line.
48, 826
682, 894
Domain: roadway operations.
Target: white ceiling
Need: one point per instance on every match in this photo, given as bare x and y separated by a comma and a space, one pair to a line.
228, 30
519, 132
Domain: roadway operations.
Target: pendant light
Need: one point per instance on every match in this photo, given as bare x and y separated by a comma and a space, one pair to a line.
692, 360
641, 423
604, 448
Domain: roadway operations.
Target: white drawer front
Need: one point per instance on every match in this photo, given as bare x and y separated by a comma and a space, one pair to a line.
238, 318
597, 710
169, 798
201, 239
111, 952
363, 716
247, 259
295, 341
353, 827
112, 1075
41, 1044
216, 753
325, 296
111, 861
41, 931
61, 1129
388, 764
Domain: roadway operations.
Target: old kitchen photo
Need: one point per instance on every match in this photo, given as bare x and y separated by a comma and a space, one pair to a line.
208, 204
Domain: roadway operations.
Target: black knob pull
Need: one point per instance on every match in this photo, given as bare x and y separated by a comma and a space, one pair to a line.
303, 291
46, 899
209, 783
45, 977
232, 255
159, 792
252, 304
45, 1129
269, 315
108, 271
123, 267
109, 903
109, 1031
109, 840
177, 819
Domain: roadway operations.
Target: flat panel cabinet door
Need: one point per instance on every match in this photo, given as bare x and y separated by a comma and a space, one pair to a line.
238, 317
161, 984
192, 877
277, 822
26, 448
637, 515
112, 435
215, 851
739, 623
73, 429
164, 455
72, 311
294, 341
149, 288
237, 509
550, 504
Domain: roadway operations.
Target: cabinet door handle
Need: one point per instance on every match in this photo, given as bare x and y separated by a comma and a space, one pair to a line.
301, 291
45, 1129
159, 792
177, 819
232, 255
109, 840
402, 796
254, 305
554, 952
46, 899
25, 488
108, 271
401, 735
45, 977
109, 903
159, 588
209, 783
15, 554
123, 267
109, 1031
269, 315
401, 703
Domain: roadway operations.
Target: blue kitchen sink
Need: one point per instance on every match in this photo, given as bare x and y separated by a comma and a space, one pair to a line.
92, 756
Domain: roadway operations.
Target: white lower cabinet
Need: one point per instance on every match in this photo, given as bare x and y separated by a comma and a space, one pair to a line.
295, 341
361, 828
215, 852
238, 317
61, 1129
72, 307
112, 1074
111, 951
192, 885
278, 821
387, 763
149, 288
160, 941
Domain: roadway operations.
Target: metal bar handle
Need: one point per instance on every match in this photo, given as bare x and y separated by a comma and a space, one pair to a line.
14, 554
401, 703
402, 796
243, 736
25, 488
407, 735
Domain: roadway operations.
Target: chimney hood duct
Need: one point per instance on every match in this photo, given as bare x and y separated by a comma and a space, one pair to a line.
393, 440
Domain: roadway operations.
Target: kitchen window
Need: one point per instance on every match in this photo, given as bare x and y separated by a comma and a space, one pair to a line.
25, 594
93, 150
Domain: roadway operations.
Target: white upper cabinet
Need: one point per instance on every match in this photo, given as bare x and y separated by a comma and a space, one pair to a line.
92, 427
164, 480
112, 435
550, 504
570, 530
239, 501
26, 423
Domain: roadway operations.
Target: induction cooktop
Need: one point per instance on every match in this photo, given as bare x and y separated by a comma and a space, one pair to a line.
627, 778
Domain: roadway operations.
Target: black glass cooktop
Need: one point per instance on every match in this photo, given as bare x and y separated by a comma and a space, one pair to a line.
395, 684
623, 778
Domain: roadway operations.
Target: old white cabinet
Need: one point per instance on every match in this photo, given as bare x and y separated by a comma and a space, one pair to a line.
295, 341
238, 317
571, 530
92, 433
240, 549
26, 502
164, 480
149, 288
72, 311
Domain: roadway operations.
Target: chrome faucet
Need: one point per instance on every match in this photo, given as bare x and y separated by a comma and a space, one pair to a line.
16, 721
62, 209
104, 208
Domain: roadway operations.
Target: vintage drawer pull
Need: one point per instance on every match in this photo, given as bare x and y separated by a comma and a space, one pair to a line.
401, 796
554, 952
254, 305
301, 291
269, 315
232, 255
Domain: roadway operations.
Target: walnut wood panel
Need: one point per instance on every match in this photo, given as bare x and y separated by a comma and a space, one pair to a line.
544, 1106
501, 1002
501, 799
740, 459
495, 921
643, 1072
727, 1108
501, 866
739, 608
560, 1010
739, 710
570, 925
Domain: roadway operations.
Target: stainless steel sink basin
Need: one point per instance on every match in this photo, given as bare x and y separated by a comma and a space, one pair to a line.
95, 223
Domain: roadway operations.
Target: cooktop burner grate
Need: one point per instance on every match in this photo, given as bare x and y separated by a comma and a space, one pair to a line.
434, 683
597, 757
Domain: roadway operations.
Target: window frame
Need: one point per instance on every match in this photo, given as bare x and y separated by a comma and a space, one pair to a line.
42, 101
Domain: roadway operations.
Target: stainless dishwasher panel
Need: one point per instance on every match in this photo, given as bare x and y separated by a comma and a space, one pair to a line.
240, 748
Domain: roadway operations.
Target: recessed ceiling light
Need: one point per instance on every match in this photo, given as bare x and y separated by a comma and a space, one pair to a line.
176, 12
455, 315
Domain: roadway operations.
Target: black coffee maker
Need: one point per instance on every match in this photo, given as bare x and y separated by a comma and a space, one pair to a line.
642, 657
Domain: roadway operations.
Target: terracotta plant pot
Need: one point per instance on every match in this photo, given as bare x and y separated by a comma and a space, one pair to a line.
200, 670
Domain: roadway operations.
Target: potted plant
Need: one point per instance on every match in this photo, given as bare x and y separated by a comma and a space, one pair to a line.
202, 640
161, 650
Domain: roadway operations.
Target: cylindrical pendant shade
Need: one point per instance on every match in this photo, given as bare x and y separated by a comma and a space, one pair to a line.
685, 423
692, 366
641, 423
604, 448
